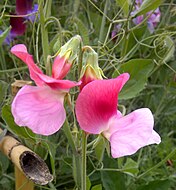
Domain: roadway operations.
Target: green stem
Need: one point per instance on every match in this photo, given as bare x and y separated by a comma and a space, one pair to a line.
44, 33
103, 21
14, 70
84, 149
159, 164
69, 136
76, 155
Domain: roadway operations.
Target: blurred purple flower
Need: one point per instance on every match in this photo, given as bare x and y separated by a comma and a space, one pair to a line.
18, 28
115, 31
23, 8
154, 17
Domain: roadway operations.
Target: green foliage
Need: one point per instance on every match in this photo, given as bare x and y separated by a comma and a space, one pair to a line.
131, 167
3, 90
156, 185
112, 180
4, 35
148, 58
147, 6
139, 70
124, 5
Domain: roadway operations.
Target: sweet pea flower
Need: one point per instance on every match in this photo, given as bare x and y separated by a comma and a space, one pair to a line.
41, 107
96, 112
152, 21
115, 31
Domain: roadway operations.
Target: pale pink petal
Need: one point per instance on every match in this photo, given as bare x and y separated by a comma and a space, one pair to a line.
39, 108
97, 103
20, 51
132, 132
155, 138
60, 67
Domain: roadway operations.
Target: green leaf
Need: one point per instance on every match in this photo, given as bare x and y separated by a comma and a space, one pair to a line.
139, 70
124, 4
4, 161
99, 148
156, 185
84, 32
147, 6
131, 44
88, 183
51, 147
97, 187
112, 180
3, 90
4, 35
130, 167
15, 129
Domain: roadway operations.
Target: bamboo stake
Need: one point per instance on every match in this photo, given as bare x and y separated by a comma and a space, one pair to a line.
26, 161
21, 182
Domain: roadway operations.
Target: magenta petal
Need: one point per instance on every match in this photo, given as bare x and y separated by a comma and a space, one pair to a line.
23, 6
132, 132
39, 108
20, 51
18, 26
60, 67
97, 103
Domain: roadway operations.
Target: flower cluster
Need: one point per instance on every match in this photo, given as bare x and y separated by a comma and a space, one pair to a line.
152, 21
41, 107
17, 19
153, 16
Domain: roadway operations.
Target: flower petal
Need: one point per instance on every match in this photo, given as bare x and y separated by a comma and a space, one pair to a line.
97, 103
58, 84
21, 52
39, 108
132, 132
36, 74
23, 6
60, 67
18, 26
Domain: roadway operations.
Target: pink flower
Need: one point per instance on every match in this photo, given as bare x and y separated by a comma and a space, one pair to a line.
96, 112
41, 107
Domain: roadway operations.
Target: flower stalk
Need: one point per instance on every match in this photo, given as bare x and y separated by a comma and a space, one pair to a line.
76, 156
44, 33
84, 161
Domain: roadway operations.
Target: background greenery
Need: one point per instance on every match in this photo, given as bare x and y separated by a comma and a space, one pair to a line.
150, 60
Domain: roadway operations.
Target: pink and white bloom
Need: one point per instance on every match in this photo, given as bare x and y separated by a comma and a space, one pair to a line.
96, 112
41, 107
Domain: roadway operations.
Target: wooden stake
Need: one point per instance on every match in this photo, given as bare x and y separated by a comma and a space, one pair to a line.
26, 162
21, 182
